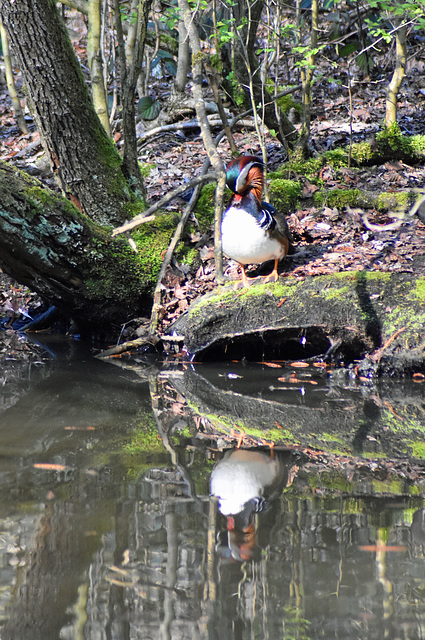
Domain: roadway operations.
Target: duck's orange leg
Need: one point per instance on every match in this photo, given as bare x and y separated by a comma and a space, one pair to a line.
273, 276
244, 279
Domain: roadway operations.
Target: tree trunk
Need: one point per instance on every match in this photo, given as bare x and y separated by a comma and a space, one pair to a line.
48, 245
129, 74
82, 155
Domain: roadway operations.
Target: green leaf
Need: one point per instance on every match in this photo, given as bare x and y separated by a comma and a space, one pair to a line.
148, 108
349, 48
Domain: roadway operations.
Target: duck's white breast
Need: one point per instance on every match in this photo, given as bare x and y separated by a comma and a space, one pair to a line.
245, 241
242, 476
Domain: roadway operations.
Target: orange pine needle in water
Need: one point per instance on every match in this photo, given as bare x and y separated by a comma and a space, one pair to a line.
79, 428
47, 466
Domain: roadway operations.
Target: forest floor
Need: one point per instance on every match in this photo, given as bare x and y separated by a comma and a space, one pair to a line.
327, 239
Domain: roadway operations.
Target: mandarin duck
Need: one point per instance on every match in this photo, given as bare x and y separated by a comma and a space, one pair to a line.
252, 231
245, 481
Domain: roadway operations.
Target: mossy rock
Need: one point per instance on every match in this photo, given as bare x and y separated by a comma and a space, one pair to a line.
311, 167
398, 202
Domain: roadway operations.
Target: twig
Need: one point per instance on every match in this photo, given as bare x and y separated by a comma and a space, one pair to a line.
376, 356
169, 253
381, 227
141, 218
125, 346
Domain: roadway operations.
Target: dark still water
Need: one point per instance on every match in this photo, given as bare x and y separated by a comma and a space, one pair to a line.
108, 529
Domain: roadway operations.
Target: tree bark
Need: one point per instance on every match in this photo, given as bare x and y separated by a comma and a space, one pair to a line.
48, 245
19, 116
82, 155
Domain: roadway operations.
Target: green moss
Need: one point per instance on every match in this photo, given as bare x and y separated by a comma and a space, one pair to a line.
339, 198
220, 296
418, 450
237, 91
188, 255
152, 240
393, 201
134, 208
205, 206
225, 294
411, 317
146, 168
330, 437
373, 275
284, 194
361, 152
391, 140
394, 486
311, 167
417, 145
419, 290
287, 102
146, 440
390, 143
112, 161
40, 198
332, 293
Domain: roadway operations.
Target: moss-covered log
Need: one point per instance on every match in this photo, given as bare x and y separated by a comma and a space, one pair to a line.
48, 245
344, 317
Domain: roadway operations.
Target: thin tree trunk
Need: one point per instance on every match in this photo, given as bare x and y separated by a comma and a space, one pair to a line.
19, 116
398, 75
129, 76
183, 59
95, 63
247, 70
214, 158
306, 79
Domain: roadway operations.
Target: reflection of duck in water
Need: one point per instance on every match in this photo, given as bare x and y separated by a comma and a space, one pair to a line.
244, 481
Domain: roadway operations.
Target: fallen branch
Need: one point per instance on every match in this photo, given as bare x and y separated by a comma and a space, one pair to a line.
126, 346
393, 226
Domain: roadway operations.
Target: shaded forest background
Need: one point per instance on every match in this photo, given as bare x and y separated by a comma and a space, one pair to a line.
330, 94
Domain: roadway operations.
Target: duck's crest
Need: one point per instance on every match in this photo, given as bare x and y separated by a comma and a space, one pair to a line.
246, 174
